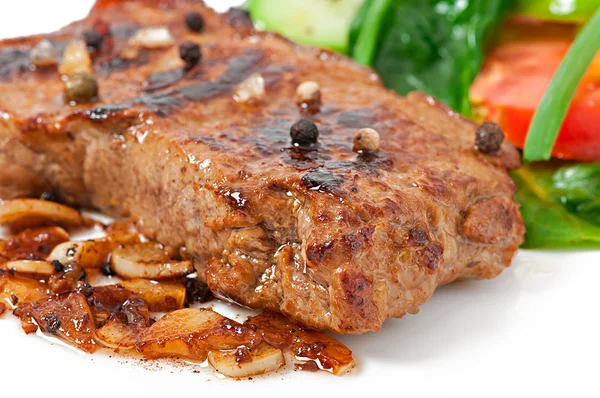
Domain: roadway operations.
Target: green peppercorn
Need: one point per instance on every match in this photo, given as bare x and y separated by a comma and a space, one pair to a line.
81, 87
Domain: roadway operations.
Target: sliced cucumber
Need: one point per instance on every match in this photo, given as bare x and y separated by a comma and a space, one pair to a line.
321, 23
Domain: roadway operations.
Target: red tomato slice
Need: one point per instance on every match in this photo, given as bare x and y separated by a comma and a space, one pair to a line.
513, 81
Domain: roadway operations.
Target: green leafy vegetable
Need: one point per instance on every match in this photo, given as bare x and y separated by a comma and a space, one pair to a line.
577, 188
578, 11
551, 112
549, 224
435, 46
365, 41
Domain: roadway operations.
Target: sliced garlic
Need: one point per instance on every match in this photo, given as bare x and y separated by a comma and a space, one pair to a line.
31, 267
260, 360
24, 289
147, 260
154, 37
116, 335
88, 254
43, 54
75, 58
31, 212
175, 334
160, 296
250, 90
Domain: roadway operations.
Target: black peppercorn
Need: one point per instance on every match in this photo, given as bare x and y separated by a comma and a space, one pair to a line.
489, 138
304, 132
84, 288
106, 270
93, 39
83, 275
52, 324
58, 266
190, 53
194, 22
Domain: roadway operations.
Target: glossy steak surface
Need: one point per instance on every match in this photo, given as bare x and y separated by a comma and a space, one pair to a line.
333, 239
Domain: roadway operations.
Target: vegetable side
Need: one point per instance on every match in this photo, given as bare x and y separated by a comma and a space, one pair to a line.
577, 11
559, 205
434, 46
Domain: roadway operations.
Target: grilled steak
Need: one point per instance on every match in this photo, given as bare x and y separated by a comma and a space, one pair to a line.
332, 239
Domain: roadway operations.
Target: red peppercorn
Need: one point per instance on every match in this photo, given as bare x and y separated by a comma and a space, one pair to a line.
101, 27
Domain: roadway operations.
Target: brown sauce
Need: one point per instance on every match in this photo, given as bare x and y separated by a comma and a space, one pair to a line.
32, 244
66, 305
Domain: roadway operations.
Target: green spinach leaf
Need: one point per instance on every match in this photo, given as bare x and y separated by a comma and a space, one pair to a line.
548, 196
577, 187
435, 46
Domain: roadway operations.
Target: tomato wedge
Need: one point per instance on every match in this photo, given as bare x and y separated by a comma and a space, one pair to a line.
513, 81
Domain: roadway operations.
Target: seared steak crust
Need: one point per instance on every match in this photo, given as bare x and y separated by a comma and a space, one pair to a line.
330, 238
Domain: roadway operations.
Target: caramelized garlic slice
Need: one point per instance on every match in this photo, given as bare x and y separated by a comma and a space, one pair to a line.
15, 289
243, 362
25, 213
88, 254
160, 296
31, 267
191, 333
117, 335
147, 260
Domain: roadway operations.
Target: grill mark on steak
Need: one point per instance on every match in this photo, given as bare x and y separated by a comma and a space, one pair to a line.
113, 64
162, 102
277, 130
13, 60
161, 80
357, 118
369, 163
322, 180
107, 60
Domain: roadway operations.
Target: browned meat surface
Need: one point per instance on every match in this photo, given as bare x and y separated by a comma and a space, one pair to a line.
330, 238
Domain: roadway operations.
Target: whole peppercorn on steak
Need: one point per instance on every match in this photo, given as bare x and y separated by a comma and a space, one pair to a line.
200, 153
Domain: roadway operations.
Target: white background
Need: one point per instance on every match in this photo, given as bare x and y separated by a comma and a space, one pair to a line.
534, 331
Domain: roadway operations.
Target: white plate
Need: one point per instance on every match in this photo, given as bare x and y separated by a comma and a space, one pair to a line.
533, 331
